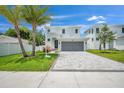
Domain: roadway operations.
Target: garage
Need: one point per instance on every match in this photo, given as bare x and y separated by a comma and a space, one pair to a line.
72, 46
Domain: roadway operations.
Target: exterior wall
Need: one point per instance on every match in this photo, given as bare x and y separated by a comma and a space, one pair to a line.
117, 44
90, 39
120, 44
14, 48
55, 33
91, 34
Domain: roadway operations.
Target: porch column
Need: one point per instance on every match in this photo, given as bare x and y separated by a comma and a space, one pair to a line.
84, 46
60, 45
114, 44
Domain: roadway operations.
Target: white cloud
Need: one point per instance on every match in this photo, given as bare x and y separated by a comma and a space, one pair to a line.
57, 23
96, 18
113, 15
63, 16
101, 22
58, 17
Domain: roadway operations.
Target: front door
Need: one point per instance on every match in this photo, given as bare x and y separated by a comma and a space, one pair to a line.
56, 43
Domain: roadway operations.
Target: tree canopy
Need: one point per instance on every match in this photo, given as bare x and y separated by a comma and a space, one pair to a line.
105, 36
24, 32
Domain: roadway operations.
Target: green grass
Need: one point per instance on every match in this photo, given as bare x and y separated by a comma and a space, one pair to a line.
17, 63
111, 54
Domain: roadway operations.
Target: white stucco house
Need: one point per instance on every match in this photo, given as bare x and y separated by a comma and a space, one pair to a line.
65, 38
93, 41
68, 38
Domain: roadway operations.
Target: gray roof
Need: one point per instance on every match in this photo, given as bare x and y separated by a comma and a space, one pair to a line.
7, 39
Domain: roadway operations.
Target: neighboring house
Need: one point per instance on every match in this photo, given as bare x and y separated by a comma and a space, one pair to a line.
65, 38
68, 38
93, 41
10, 45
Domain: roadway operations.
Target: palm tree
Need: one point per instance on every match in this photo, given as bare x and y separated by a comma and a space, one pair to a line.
35, 15
104, 32
12, 14
105, 36
100, 39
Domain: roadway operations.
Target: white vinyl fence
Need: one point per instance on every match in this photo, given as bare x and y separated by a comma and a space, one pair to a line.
14, 48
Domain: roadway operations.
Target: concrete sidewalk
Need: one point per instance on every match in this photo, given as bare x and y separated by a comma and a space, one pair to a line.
61, 79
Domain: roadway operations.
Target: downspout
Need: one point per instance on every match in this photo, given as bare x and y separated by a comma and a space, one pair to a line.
46, 54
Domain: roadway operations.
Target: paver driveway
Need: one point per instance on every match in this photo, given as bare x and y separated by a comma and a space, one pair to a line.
85, 61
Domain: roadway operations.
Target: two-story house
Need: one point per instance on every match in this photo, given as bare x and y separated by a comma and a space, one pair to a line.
68, 38
93, 41
65, 38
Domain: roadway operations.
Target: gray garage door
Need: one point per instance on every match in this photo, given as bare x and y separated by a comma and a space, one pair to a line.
72, 46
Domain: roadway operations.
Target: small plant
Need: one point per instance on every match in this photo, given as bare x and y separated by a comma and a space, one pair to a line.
46, 49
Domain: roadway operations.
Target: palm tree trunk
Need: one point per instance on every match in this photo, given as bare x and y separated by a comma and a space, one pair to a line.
33, 40
109, 45
104, 45
20, 42
100, 46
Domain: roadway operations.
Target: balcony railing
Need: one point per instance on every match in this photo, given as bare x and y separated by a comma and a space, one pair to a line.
58, 35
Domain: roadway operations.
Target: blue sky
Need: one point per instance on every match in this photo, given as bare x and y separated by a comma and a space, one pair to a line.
79, 15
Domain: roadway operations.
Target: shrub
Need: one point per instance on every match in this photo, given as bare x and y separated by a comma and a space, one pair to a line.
46, 49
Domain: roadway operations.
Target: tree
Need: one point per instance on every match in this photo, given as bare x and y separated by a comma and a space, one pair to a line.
11, 32
39, 39
12, 14
24, 32
105, 36
35, 15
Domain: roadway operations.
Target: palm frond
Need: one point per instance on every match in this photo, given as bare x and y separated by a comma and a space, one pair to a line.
12, 14
35, 14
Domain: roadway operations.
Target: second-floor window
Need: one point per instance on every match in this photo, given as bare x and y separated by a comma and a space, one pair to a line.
92, 39
76, 31
63, 31
89, 31
97, 30
122, 30
48, 30
48, 39
92, 31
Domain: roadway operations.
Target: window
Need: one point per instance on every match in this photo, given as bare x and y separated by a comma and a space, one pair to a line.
48, 39
89, 31
76, 31
97, 30
63, 31
122, 30
48, 30
97, 39
92, 39
86, 43
92, 31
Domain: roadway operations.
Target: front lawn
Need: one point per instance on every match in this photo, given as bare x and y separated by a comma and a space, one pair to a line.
112, 54
17, 63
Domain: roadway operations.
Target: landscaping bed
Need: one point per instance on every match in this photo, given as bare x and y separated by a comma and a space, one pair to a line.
17, 63
111, 54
